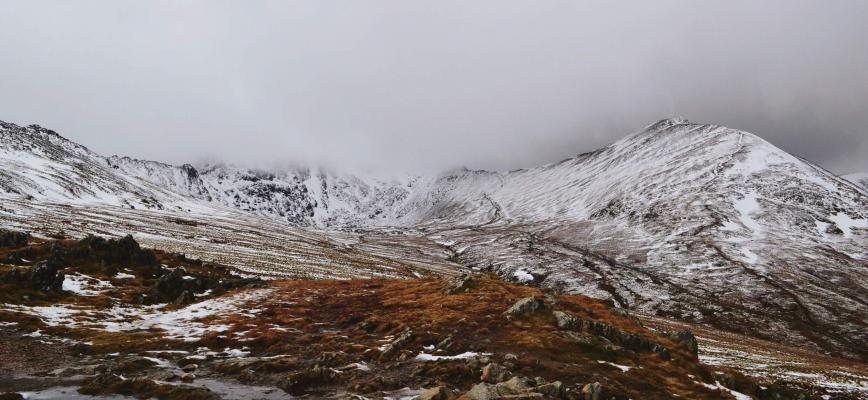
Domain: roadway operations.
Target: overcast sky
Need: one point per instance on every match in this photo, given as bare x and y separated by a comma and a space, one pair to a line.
415, 85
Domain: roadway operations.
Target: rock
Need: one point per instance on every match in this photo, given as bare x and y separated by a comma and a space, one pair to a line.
297, 382
435, 393
515, 388
610, 333
482, 391
592, 391
566, 321
45, 276
164, 376
185, 298
13, 239
391, 349
446, 343
11, 396
187, 377
461, 284
687, 340
515, 385
510, 357
189, 367
133, 363
495, 373
524, 306
554, 389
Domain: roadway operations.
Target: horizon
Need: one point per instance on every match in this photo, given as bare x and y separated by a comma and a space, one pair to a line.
430, 86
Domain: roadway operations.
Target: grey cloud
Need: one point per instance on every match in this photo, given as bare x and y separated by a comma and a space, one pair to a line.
428, 85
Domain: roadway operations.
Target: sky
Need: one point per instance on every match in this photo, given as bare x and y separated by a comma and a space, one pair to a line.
415, 86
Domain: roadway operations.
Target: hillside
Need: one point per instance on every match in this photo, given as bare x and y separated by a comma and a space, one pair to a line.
123, 320
696, 222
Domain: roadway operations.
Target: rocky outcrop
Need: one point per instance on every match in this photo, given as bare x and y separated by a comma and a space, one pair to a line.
516, 388
45, 276
619, 337
13, 238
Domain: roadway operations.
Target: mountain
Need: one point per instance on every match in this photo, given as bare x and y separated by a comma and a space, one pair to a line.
696, 222
858, 178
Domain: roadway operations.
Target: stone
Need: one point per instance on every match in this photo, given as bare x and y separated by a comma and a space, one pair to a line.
554, 389
185, 298
435, 393
566, 321
460, 284
189, 367
524, 306
592, 391
392, 349
187, 377
687, 340
495, 373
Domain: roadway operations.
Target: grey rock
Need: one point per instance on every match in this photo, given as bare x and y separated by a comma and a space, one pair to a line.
435, 393
524, 306
495, 373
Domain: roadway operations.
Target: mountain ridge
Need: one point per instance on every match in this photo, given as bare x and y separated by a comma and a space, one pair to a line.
695, 221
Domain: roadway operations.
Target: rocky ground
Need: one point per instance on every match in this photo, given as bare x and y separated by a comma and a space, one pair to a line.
106, 318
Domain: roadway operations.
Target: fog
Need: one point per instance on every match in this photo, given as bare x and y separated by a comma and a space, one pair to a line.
417, 85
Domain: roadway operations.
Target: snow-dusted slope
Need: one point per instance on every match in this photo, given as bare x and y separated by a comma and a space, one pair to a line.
859, 179
696, 221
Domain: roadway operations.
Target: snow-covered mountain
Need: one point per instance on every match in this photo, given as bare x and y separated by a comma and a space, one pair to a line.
858, 178
696, 221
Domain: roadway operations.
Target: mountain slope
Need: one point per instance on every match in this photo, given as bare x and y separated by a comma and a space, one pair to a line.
859, 179
699, 222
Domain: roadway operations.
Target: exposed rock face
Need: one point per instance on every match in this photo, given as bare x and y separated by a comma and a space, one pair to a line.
44, 276
626, 339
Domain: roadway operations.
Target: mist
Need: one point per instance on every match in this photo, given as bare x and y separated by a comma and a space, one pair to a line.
421, 86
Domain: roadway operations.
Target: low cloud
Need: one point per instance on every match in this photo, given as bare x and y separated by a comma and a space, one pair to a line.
408, 86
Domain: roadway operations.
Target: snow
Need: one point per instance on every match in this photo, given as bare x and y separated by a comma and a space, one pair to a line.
718, 386
522, 275
847, 223
84, 285
124, 275
623, 368
181, 324
430, 357
746, 207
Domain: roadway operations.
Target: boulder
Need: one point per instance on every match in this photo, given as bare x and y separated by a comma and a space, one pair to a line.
524, 306
495, 373
392, 349
435, 393
592, 391
687, 340
552, 390
460, 284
